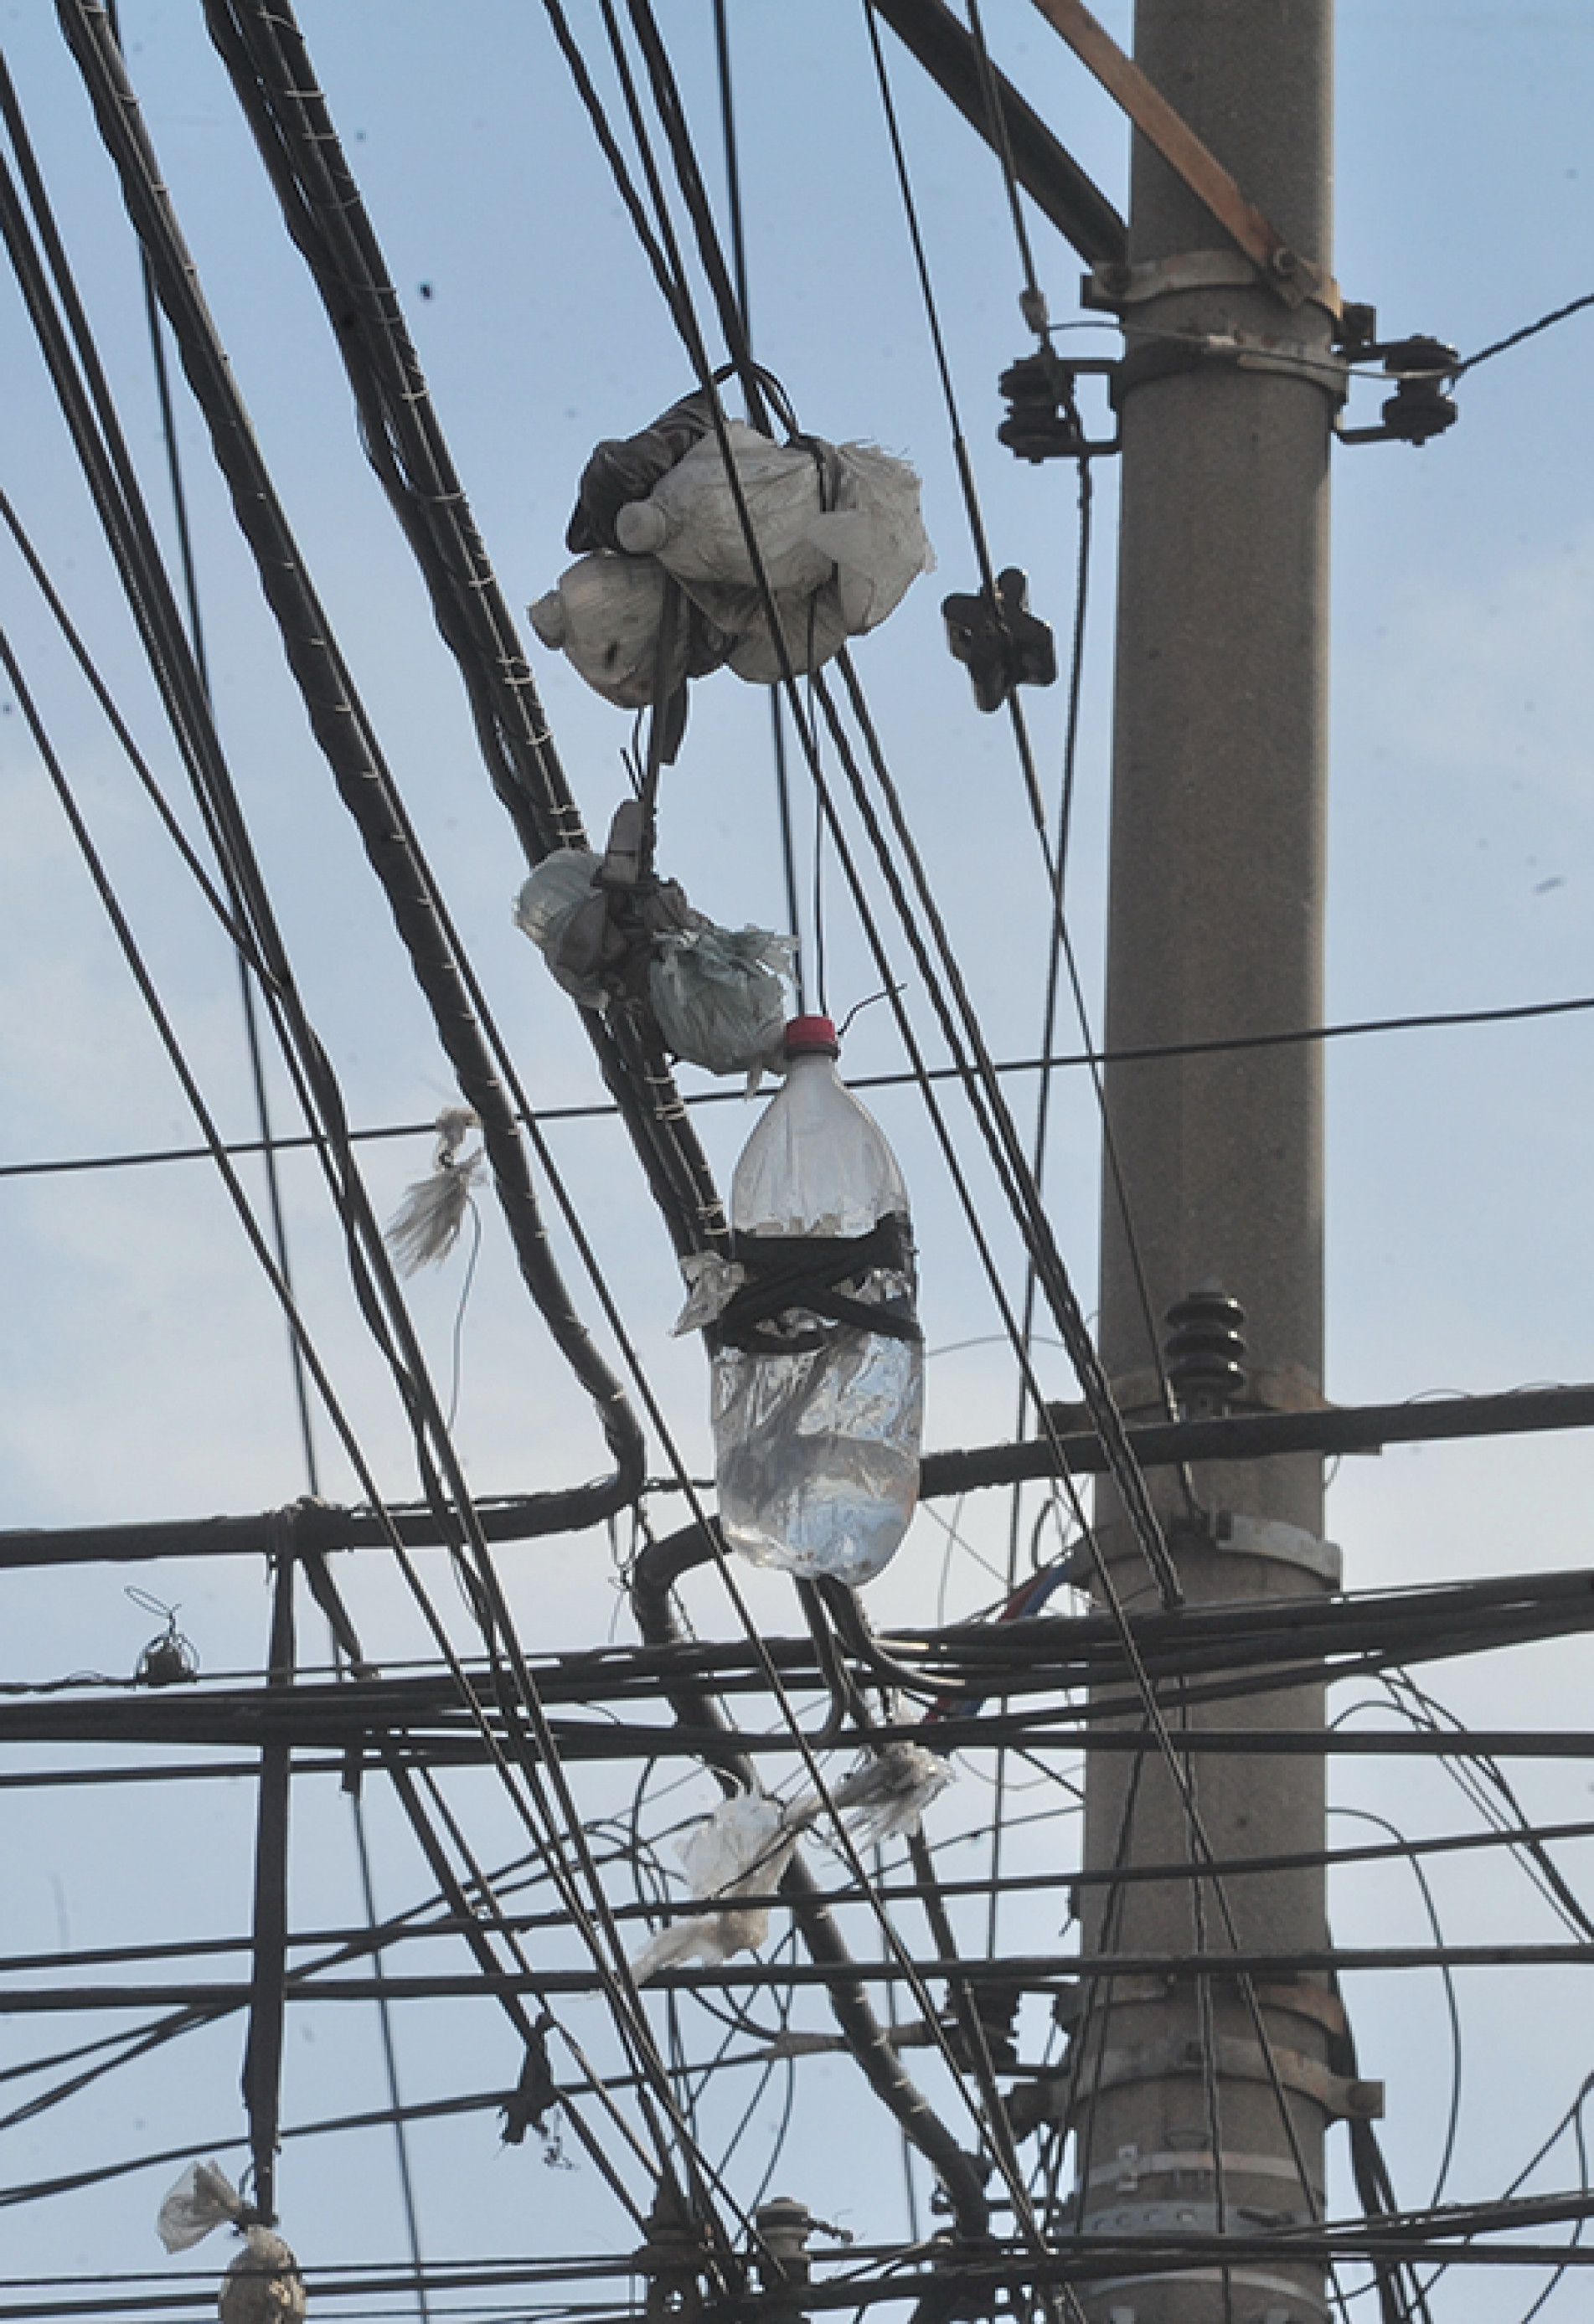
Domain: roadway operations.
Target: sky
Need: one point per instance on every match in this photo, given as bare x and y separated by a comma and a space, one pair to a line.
144, 1373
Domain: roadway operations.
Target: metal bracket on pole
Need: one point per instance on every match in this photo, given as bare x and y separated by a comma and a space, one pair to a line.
1341, 2095
1165, 355
1108, 287
1286, 1545
1290, 276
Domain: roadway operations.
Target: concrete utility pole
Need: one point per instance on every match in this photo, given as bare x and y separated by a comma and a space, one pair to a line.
1216, 930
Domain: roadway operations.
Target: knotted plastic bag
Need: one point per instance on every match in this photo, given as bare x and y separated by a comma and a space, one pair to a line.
742, 1849
625, 469
716, 993
204, 2197
604, 614
720, 997
838, 533
566, 915
263, 2285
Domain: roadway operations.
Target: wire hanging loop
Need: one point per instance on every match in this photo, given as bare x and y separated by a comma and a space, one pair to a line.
169, 1658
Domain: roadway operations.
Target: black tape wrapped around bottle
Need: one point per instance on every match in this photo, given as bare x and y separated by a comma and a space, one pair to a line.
797, 1290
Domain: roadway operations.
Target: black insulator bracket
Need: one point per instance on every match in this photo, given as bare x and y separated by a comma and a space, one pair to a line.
1419, 409
999, 641
1044, 421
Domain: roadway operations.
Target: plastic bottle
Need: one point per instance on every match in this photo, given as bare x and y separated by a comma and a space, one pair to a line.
817, 1407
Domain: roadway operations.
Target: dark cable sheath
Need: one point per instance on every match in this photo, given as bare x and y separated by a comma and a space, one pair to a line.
654, 1576
265, 56
344, 736
1528, 331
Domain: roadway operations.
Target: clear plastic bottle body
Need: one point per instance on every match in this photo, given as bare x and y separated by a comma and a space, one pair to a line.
817, 1450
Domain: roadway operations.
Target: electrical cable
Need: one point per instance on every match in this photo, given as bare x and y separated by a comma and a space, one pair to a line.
540, 1115
115, 120
1515, 338
691, 185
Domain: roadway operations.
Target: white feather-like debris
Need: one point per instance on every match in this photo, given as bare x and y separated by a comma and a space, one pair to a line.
263, 2285
740, 1850
426, 1225
204, 2197
886, 1793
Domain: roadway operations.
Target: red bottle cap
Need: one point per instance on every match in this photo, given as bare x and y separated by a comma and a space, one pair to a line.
805, 1035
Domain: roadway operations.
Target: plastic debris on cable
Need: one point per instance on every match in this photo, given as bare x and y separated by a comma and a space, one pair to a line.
203, 2198
884, 1796
565, 914
839, 535
887, 1791
426, 1225
606, 614
742, 1850
839, 541
712, 1283
625, 469
719, 995
263, 2285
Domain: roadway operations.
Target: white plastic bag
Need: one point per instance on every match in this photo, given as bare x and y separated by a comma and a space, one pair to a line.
691, 522
604, 614
204, 2197
545, 909
720, 997
740, 1850
839, 534
875, 534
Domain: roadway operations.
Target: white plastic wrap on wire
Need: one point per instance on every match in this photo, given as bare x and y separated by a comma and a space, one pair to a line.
742, 1850
884, 1795
426, 1225
839, 538
605, 615
889, 1791
263, 2285
720, 997
840, 541
561, 887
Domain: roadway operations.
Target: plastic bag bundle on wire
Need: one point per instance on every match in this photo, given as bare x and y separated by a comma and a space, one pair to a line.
837, 530
716, 993
742, 1850
606, 614
889, 1791
719, 995
263, 2285
883, 1797
839, 540
625, 469
818, 1367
